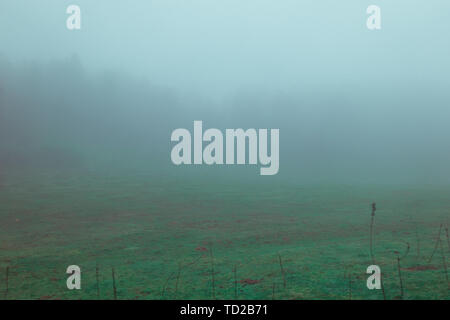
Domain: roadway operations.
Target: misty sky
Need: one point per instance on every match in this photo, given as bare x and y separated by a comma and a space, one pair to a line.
217, 47
349, 102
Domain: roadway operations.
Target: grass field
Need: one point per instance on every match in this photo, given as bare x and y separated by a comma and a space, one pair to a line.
170, 238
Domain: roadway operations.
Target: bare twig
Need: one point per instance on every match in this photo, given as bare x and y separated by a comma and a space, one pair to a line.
372, 220
273, 291
350, 287
163, 291
7, 283
448, 241
407, 250
399, 268
165, 284
282, 271
212, 272
438, 239
418, 240
382, 285
444, 262
374, 208
400, 276
349, 276
235, 282
178, 279
114, 284
96, 278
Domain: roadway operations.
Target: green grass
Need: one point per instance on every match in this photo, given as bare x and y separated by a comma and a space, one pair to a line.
147, 226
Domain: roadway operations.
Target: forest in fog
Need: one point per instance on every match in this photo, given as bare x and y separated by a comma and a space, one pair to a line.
59, 115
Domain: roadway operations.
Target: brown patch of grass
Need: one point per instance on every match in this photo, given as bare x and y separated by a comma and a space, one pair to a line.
249, 281
421, 268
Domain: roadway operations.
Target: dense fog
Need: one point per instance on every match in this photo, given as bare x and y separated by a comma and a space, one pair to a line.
352, 105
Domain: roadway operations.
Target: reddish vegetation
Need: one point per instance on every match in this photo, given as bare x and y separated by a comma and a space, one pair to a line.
420, 268
201, 249
250, 281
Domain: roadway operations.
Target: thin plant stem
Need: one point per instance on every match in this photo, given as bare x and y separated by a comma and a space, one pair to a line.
97, 280
438, 239
448, 241
273, 291
235, 282
7, 283
350, 287
212, 272
114, 284
165, 284
282, 271
178, 279
372, 256
374, 208
444, 262
418, 241
163, 291
400, 276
